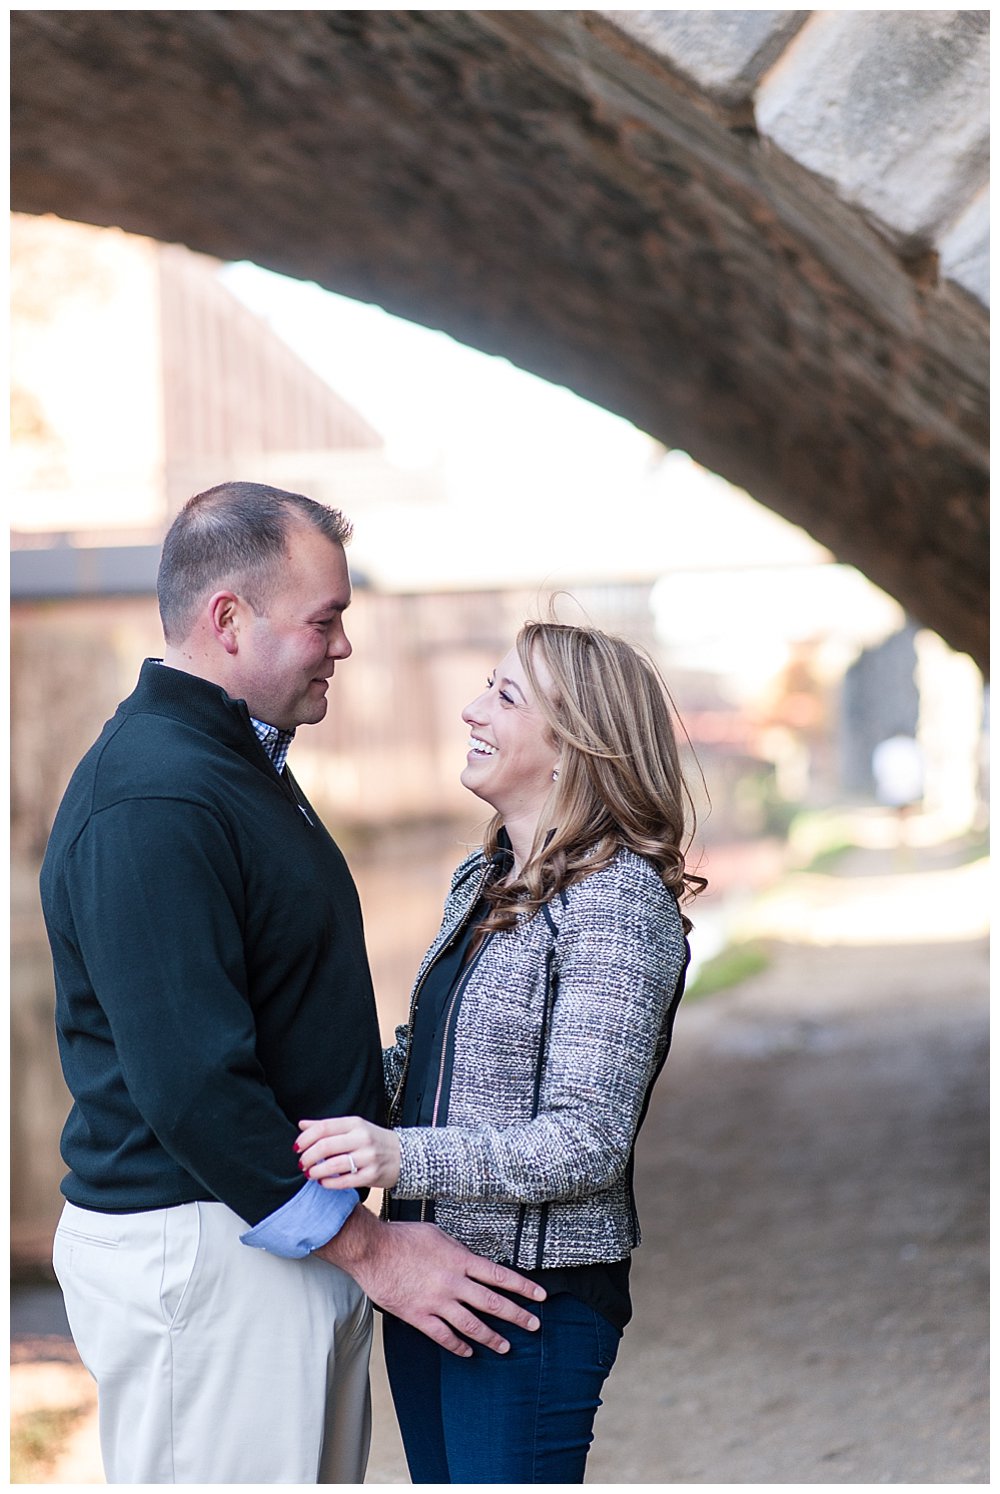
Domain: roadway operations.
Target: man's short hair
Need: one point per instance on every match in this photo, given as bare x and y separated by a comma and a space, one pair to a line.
234, 535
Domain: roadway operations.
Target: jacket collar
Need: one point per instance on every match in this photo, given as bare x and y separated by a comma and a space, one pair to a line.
164, 691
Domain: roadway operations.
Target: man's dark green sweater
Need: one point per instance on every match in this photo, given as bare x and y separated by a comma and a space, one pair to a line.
212, 985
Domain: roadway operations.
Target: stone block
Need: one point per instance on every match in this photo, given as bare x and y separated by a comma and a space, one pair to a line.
724, 52
892, 108
965, 249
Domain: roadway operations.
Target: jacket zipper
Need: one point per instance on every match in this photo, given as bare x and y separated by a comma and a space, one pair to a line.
418, 987
289, 785
413, 1006
459, 989
456, 994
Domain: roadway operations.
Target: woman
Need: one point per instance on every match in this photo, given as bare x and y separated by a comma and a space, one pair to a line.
540, 1018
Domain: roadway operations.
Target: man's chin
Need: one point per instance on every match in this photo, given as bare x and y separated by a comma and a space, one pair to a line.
313, 712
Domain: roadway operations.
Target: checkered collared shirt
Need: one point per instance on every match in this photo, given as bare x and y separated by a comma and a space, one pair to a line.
274, 741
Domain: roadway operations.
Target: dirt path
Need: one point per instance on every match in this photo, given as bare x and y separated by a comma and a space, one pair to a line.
810, 1296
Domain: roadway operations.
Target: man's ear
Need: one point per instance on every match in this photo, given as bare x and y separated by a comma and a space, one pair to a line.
224, 610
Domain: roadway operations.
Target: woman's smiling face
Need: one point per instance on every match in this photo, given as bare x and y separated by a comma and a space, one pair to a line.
511, 750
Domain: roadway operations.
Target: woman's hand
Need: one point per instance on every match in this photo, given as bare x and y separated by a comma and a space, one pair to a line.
327, 1149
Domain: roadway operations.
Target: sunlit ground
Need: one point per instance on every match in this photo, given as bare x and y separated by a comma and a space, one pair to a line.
897, 881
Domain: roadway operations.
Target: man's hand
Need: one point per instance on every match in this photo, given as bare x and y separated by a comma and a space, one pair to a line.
421, 1275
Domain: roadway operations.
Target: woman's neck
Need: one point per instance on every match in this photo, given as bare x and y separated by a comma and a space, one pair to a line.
521, 834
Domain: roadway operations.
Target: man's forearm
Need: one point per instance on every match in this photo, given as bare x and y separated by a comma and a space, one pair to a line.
355, 1241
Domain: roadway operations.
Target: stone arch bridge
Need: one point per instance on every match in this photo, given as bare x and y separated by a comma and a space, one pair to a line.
760, 235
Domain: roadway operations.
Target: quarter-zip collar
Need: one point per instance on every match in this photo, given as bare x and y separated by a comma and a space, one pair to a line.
164, 691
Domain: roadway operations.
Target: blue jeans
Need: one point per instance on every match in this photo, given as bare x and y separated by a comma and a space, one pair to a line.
525, 1417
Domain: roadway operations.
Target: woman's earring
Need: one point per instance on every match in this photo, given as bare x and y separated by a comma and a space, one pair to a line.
555, 774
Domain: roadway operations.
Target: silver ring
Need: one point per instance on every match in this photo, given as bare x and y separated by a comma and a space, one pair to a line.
350, 1158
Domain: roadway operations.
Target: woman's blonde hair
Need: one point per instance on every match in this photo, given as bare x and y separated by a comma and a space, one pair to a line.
620, 781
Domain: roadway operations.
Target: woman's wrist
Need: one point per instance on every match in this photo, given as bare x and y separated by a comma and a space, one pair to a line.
394, 1160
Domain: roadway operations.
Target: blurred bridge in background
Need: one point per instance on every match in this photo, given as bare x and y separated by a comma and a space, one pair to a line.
759, 235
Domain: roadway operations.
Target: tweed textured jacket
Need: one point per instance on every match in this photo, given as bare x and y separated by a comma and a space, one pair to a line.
563, 1027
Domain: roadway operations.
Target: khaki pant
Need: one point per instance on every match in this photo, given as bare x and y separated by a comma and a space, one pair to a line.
215, 1363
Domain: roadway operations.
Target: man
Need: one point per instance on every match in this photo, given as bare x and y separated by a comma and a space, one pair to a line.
212, 988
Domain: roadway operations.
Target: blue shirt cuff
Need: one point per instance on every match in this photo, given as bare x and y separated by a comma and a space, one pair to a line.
305, 1222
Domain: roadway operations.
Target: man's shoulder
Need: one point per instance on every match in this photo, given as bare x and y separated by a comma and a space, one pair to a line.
144, 756
150, 746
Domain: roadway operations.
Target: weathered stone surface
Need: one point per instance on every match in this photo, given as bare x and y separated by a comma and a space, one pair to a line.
724, 52
887, 105
965, 249
540, 185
